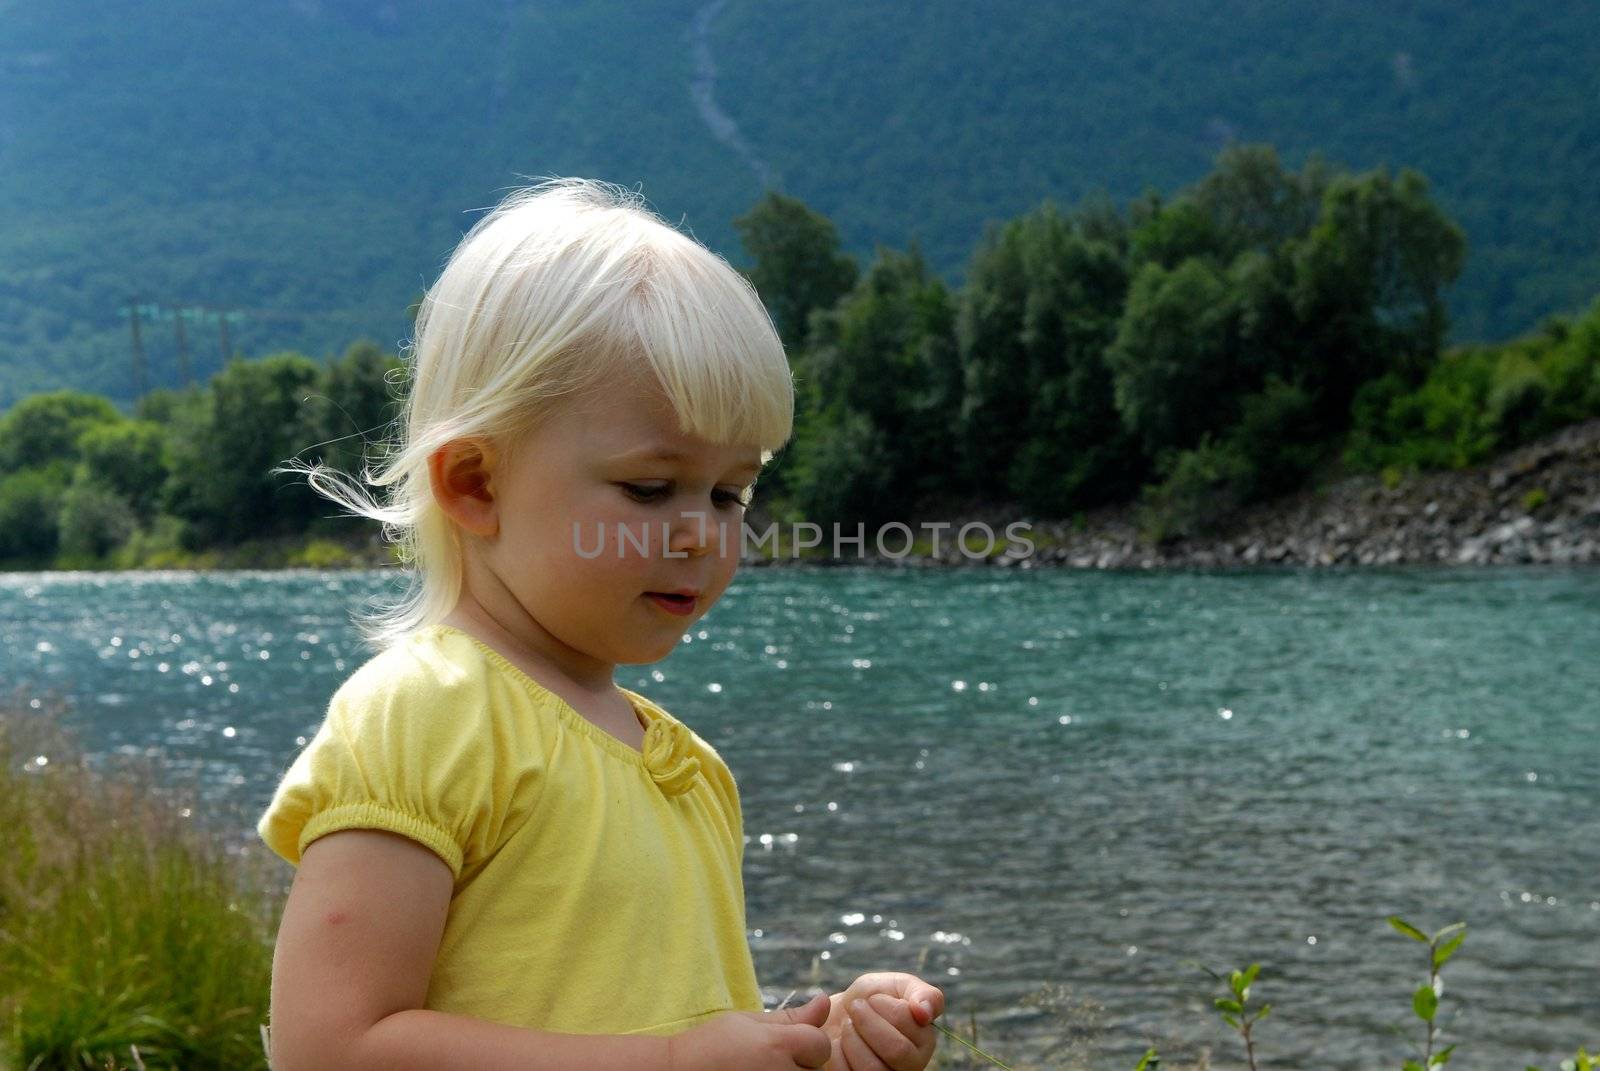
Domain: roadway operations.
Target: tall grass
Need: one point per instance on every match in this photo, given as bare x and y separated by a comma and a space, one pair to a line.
129, 936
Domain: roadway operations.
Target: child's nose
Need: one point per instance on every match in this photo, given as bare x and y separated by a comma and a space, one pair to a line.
693, 534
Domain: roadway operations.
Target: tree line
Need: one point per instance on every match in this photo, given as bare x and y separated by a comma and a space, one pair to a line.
1194, 354
1257, 330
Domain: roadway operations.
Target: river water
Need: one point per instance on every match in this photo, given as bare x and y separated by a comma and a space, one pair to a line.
1095, 781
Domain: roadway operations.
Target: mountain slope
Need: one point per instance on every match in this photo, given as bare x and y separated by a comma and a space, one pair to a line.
313, 163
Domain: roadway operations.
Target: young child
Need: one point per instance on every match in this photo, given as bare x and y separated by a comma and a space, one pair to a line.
505, 860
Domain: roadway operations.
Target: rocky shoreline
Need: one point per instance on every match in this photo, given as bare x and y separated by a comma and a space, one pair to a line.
1538, 504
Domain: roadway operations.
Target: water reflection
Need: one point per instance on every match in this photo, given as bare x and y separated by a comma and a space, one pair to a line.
1002, 781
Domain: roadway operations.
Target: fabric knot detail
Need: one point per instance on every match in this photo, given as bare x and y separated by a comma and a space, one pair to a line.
669, 756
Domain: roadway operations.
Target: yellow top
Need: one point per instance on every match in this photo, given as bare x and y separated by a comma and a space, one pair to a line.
597, 888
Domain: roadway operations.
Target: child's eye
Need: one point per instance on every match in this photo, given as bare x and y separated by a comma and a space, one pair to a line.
652, 494
643, 494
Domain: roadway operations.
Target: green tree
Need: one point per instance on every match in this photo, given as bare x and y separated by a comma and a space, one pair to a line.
1178, 231
29, 503
127, 458
882, 369
1038, 412
1252, 203
45, 427
354, 405
842, 469
223, 455
799, 266
1369, 285
94, 519
1174, 359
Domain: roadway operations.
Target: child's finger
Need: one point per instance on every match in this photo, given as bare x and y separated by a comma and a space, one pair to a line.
857, 1053
886, 1025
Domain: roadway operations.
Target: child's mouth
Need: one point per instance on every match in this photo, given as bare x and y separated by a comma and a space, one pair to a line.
673, 604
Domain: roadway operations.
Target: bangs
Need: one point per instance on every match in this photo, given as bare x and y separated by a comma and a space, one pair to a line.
699, 326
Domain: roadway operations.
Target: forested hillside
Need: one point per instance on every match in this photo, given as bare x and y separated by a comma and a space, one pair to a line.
306, 167
1263, 331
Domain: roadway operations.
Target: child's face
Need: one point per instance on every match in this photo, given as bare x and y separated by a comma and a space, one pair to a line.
581, 593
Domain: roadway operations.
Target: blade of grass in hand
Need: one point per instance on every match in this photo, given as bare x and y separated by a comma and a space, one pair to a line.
970, 1045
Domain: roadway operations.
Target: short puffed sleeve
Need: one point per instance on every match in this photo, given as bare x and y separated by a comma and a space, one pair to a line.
406, 746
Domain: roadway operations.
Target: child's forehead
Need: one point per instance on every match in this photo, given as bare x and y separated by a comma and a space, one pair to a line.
639, 425
744, 460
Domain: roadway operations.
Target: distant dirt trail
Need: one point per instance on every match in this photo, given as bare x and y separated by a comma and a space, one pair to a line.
703, 91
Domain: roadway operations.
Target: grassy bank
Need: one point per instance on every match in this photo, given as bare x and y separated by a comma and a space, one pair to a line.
129, 936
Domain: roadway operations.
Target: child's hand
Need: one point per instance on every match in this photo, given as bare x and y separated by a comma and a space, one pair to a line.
892, 1031
754, 1041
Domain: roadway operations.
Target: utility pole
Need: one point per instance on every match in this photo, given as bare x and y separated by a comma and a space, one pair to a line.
183, 346
222, 329
132, 312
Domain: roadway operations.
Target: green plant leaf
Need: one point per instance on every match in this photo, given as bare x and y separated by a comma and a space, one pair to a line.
1412, 1065
1425, 1002
1149, 1061
1406, 928
1231, 1021
1236, 981
1452, 928
1224, 1004
1262, 1014
1442, 1057
1443, 953
1250, 974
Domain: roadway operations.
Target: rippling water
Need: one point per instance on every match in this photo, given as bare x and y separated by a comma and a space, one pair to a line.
1095, 780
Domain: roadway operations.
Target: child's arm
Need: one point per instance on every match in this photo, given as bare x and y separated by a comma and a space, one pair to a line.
355, 949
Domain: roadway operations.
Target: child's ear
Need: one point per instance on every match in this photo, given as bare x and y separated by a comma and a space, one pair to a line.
459, 472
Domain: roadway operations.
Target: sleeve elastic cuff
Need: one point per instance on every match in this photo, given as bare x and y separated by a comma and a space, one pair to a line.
377, 816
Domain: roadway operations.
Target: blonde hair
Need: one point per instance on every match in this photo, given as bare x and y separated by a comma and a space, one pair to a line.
561, 287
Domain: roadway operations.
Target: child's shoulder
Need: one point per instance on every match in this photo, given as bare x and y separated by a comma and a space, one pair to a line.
428, 662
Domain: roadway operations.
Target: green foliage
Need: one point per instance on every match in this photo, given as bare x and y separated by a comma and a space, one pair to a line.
1235, 1012
880, 388
157, 545
321, 554
799, 267
1038, 311
1368, 285
1479, 399
844, 473
1120, 96
1227, 343
352, 407
1425, 1001
1174, 345
46, 427
1253, 204
253, 418
1199, 488
94, 519
194, 468
1277, 434
894, 127
126, 457
29, 503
